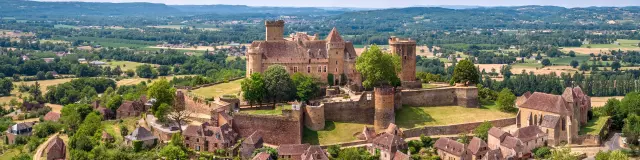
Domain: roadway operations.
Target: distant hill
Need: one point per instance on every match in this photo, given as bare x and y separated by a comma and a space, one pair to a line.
39, 9
237, 9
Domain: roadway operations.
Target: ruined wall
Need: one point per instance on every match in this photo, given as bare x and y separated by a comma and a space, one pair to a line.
314, 117
449, 96
454, 129
384, 108
361, 111
198, 105
275, 130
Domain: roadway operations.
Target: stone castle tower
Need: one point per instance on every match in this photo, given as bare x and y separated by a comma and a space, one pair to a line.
406, 50
335, 52
384, 108
254, 60
275, 30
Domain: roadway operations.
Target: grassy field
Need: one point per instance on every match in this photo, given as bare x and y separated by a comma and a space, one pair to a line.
333, 132
45, 83
594, 126
427, 85
623, 43
112, 42
567, 60
276, 111
113, 127
64, 26
125, 65
411, 117
232, 87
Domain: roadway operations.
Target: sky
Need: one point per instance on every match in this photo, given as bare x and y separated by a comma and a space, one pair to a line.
385, 3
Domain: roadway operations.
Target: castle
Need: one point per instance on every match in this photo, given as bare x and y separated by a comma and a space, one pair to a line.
331, 60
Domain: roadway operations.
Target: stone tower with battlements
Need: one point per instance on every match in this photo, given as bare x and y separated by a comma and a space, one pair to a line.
406, 50
384, 107
254, 60
275, 30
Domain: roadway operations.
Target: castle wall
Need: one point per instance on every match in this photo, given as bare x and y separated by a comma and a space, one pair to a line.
450, 96
275, 130
454, 129
384, 108
314, 117
351, 111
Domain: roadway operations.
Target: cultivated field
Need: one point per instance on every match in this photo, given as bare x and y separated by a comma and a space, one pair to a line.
124, 65
600, 101
218, 90
623, 44
411, 117
333, 132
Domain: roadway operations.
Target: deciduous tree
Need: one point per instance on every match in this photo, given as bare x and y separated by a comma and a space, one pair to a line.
378, 68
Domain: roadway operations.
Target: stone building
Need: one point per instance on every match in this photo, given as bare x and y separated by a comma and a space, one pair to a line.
56, 150
51, 116
560, 116
130, 108
141, 134
207, 137
516, 145
250, 144
388, 145
451, 150
406, 50
477, 148
292, 151
262, 156
531, 137
314, 153
19, 130
331, 59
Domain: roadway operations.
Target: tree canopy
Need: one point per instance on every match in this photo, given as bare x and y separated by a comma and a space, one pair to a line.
378, 68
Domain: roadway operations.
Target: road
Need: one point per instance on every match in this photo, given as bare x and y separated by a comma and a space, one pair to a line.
43, 146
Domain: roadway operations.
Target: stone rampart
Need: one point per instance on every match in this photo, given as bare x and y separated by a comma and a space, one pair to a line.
361, 111
455, 128
384, 107
314, 117
276, 130
448, 96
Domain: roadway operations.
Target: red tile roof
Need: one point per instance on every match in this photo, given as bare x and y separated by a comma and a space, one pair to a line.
450, 146
546, 102
528, 133
51, 116
292, 149
477, 146
334, 36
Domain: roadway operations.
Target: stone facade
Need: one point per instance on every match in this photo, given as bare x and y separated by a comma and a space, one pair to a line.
449, 96
384, 108
314, 117
332, 59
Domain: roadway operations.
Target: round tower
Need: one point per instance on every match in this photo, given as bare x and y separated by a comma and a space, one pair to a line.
254, 60
314, 117
406, 50
384, 107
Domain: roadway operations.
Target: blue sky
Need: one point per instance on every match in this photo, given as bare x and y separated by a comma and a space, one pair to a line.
387, 3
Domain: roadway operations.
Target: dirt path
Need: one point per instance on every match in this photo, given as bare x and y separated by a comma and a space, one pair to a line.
43, 146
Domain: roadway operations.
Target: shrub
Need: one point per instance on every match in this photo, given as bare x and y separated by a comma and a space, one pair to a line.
541, 152
137, 146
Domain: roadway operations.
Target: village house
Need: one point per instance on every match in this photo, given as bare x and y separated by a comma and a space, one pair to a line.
56, 149
250, 144
388, 144
451, 150
208, 138
516, 145
130, 108
141, 134
314, 152
292, 151
51, 116
531, 137
477, 148
262, 156
163, 131
560, 116
19, 130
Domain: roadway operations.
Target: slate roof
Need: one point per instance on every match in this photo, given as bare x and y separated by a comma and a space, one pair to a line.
292, 149
528, 133
511, 142
450, 146
401, 156
389, 140
549, 121
314, 152
262, 156
22, 126
497, 132
546, 102
477, 146
141, 133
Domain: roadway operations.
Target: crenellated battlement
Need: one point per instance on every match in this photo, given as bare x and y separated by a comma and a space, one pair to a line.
274, 23
398, 40
384, 90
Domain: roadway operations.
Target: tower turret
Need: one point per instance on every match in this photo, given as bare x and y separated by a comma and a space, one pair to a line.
335, 52
275, 30
384, 107
406, 49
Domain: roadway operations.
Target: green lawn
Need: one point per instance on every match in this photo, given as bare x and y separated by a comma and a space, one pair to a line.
125, 65
64, 26
567, 60
624, 43
594, 126
276, 111
333, 132
113, 127
411, 117
232, 88
427, 85
111, 42
9, 154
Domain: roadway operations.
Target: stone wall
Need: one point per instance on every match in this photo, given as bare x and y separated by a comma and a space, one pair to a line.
449, 96
314, 117
384, 108
361, 111
454, 129
274, 129
198, 105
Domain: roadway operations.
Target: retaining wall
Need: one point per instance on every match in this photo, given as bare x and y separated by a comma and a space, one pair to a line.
361, 111
274, 129
449, 96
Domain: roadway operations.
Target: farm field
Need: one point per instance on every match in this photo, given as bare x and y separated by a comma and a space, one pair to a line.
411, 117
333, 132
232, 87
625, 44
600, 101
111, 42
133, 81
45, 83
125, 65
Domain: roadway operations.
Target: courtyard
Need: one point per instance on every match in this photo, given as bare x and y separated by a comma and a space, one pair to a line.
333, 132
411, 117
231, 88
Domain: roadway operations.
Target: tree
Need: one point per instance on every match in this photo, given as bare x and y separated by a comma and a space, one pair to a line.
482, 131
40, 75
253, 88
615, 66
378, 68
179, 116
278, 83
177, 140
631, 128
124, 131
464, 72
506, 100
130, 73
146, 71
163, 70
333, 150
541, 152
114, 102
116, 71
572, 54
162, 91
306, 86
6, 86
563, 154
46, 128
173, 152
611, 155
584, 66
49, 75
574, 63
546, 62
161, 112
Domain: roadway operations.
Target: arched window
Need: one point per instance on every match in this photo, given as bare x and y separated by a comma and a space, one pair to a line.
530, 119
564, 124
535, 119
